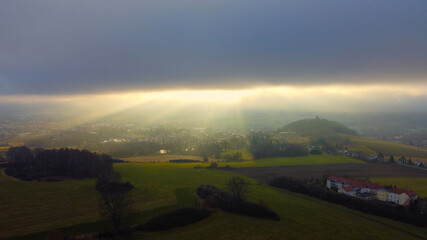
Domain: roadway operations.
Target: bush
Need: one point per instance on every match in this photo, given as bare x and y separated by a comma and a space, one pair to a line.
215, 198
213, 165
250, 209
176, 218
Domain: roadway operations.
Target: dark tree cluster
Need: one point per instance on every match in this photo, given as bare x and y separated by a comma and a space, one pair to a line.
40, 164
329, 144
208, 149
263, 146
184, 161
399, 213
214, 198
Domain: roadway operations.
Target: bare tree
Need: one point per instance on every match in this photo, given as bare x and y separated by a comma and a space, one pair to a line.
238, 187
115, 202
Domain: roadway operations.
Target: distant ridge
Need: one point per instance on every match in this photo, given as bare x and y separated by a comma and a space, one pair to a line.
318, 127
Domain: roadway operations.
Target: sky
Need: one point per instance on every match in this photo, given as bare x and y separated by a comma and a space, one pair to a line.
253, 51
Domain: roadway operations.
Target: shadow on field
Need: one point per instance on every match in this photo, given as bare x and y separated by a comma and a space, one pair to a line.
185, 197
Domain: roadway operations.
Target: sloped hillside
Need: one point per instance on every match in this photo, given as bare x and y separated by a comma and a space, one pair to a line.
318, 128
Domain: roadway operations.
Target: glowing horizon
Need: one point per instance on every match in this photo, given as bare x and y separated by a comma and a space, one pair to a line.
226, 95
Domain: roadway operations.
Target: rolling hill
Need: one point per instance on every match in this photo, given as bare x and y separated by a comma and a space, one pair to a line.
318, 128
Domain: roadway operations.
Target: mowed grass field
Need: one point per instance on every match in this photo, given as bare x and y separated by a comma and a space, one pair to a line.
71, 207
387, 148
418, 185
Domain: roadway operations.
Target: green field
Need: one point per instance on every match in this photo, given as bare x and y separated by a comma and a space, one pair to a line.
268, 162
363, 149
418, 185
289, 161
388, 148
71, 206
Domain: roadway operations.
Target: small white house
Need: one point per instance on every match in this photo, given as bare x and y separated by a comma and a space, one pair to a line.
418, 163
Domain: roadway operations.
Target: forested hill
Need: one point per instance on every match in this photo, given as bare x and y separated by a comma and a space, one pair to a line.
318, 127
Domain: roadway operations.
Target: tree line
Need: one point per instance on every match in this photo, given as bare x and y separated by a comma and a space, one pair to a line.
262, 145
45, 164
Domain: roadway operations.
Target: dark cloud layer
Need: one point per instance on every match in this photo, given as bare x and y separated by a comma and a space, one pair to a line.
55, 47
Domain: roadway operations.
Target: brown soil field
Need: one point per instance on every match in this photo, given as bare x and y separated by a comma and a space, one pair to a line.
352, 170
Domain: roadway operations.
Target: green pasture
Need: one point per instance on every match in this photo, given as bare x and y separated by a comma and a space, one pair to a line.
418, 185
289, 161
71, 206
269, 162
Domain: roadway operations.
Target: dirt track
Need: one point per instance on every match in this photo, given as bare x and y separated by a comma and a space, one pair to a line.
317, 171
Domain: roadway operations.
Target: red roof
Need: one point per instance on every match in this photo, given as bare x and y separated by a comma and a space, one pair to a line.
400, 191
355, 184
348, 189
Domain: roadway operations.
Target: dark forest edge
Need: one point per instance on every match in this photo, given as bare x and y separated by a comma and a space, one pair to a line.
55, 164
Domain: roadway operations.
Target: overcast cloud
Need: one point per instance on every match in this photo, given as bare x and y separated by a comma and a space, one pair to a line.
73, 47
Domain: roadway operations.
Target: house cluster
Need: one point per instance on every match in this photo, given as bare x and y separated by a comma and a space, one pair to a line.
416, 163
370, 191
346, 152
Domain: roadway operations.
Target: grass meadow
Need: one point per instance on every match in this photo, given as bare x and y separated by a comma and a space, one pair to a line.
368, 145
71, 207
269, 162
